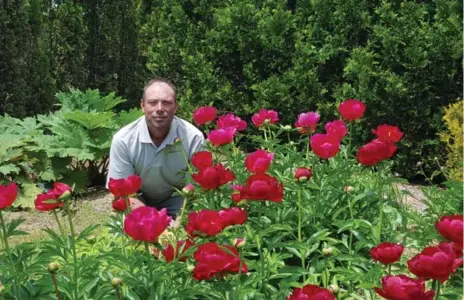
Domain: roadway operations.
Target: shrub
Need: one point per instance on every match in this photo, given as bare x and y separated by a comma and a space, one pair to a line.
453, 139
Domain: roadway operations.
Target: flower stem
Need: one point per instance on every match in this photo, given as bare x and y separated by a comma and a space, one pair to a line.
437, 288
5, 241
300, 239
58, 222
185, 158
150, 271
118, 294
265, 134
389, 269
55, 284
73, 249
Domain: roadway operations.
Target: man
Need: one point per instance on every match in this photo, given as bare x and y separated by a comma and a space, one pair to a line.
150, 147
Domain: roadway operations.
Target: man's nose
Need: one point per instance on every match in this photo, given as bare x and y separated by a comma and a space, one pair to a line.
159, 107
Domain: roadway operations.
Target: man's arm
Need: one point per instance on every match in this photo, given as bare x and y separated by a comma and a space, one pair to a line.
198, 144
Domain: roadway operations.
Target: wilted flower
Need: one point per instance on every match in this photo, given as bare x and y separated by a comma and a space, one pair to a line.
8, 194
265, 116
351, 109
204, 115
402, 287
146, 223
387, 252
259, 161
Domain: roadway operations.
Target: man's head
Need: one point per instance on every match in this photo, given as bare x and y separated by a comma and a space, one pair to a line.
159, 105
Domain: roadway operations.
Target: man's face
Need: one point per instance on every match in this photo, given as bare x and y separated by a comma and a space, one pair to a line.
159, 106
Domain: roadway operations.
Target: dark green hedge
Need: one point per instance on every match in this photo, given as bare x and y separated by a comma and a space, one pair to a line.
403, 58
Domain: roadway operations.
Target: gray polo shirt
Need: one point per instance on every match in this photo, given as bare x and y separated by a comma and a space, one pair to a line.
133, 152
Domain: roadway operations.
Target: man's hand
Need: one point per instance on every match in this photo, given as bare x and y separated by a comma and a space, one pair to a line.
135, 203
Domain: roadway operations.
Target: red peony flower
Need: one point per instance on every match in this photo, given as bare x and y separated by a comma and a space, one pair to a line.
222, 136
387, 252
451, 228
212, 177
61, 189
303, 174
259, 161
387, 133
307, 122
402, 287
311, 292
202, 160
8, 194
374, 152
262, 187
351, 109
204, 223
204, 115
124, 186
325, 146
230, 120
437, 262
265, 116
232, 216
47, 202
214, 261
146, 223
169, 253
336, 128
119, 204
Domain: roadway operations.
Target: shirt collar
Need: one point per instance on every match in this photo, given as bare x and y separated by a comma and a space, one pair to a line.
144, 134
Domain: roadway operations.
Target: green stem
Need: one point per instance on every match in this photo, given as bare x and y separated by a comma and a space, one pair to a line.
185, 157
438, 288
288, 137
379, 229
150, 271
58, 222
300, 239
350, 136
5, 241
182, 212
238, 283
55, 284
389, 269
307, 149
351, 231
73, 249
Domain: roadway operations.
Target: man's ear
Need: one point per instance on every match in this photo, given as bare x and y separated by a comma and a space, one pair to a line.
142, 106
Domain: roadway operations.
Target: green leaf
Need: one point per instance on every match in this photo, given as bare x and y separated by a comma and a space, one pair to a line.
91, 120
27, 195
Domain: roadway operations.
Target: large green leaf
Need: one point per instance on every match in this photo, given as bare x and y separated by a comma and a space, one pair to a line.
126, 117
27, 195
91, 120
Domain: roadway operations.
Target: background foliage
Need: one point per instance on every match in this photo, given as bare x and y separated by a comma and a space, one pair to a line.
401, 58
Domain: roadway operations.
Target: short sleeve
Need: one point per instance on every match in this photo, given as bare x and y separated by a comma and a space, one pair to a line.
120, 165
198, 144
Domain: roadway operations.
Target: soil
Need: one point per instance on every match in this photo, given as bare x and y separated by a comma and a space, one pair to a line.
95, 207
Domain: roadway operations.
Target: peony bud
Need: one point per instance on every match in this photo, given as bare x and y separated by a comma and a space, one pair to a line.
303, 174
327, 251
190, 267
91, 239
287, 128
188, 190
239, 242
53, 267
348, 189
116, 282
333, 288
65, 196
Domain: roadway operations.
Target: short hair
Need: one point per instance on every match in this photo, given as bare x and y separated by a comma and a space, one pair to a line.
156, 80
